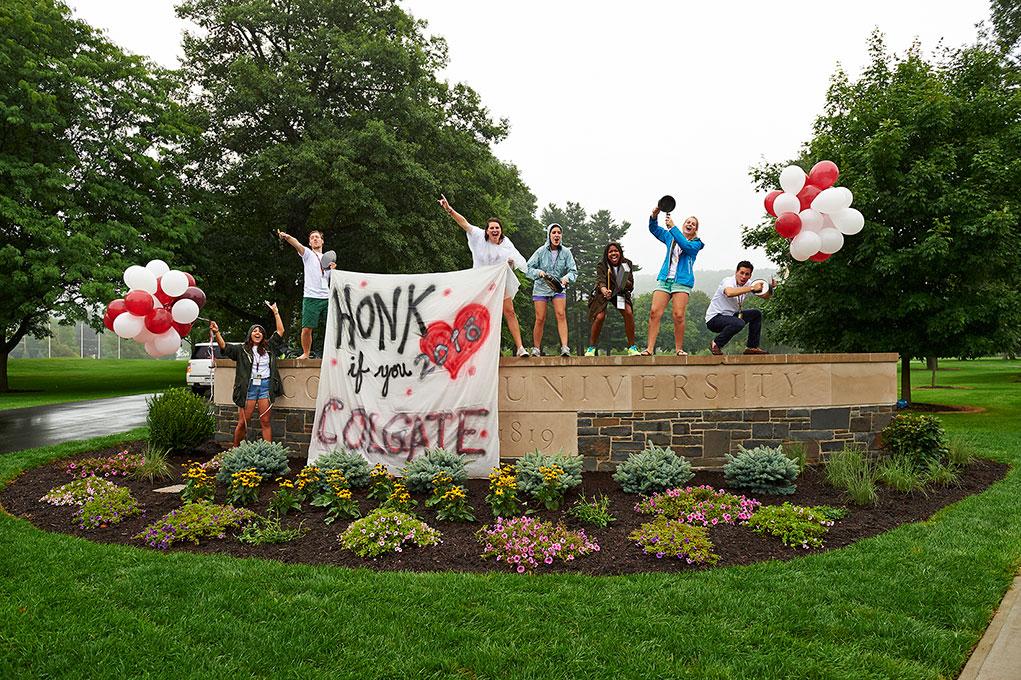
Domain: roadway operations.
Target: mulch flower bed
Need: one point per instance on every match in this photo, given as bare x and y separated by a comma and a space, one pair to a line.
460, 550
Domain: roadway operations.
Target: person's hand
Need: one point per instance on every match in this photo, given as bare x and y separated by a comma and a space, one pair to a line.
282, 235
214, 328
655, 211
542, 273
606, 292
563, 281
757, 287
445, 204
333, 265
670, 223
273, 307
510, 262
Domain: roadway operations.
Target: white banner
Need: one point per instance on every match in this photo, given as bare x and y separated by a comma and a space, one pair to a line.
410, 363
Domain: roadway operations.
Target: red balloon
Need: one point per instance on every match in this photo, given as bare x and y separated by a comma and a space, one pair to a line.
191, 280
116, 308
158, 321
770, 197
194, 294
788, 225
183, 329
160, 295
138, 302
820, 257
823, 174
807, 195
108, 321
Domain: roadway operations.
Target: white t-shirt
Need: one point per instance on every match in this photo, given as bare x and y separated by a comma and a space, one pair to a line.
486, 253
675, 258
721, 304
260, 364
317, 282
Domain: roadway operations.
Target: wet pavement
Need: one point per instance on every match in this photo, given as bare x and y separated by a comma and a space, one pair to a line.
27, 428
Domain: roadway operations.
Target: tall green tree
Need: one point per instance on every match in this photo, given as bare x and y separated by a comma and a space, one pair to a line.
329, 115
88, 137
1006, 18
930, 149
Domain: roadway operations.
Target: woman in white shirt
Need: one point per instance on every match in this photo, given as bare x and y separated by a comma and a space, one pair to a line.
492, 247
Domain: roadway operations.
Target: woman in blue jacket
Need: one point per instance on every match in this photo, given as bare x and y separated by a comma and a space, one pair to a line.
675, 279
552, 268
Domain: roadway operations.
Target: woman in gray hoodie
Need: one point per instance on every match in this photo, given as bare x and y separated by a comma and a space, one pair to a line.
552, 267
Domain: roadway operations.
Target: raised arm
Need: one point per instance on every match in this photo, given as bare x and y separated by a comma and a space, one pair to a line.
276, 317
654, 228
461, 222
295, 243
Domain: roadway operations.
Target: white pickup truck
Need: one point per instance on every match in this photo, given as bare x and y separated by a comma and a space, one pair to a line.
199, 375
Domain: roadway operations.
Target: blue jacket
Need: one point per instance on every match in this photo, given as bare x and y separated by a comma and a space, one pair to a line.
689, 251
542, 260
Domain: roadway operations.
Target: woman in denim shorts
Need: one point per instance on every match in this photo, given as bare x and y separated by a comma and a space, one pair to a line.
675, 279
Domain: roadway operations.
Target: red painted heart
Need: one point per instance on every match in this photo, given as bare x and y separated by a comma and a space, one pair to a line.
449, 347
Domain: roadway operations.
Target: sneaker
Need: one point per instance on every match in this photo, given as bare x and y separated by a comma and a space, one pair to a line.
522, 352
755, 350
535, 351
633, 351
565, 351
714, 349
590, 351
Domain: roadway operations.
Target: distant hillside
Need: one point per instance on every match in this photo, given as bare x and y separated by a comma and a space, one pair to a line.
706, 280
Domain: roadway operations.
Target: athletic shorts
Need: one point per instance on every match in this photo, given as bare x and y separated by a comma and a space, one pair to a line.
313, 312
670, 287
547, 298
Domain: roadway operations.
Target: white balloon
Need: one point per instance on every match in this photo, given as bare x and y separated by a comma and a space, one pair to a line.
144, 336
812, 220
805, 245
786, 202
139, 278
185, 311
833, 199
792, 180
156, 304
151, 350
158, 267
127, 325
831, 241
174, 283
849, 221
167, 343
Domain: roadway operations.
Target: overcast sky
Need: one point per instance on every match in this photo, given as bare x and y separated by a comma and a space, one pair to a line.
614, 104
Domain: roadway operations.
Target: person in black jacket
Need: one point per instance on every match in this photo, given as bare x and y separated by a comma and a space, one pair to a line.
256, 379
615, 281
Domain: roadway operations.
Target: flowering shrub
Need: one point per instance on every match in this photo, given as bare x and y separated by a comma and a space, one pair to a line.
311, 481
530, 478
78, 491
595, 512
664, 537
381, 483
244, 487
198, 484
503, 492
105, 509
795, 525
523, 543
553, 487
453, 506
337, 498
118, 465
699, 505
194, 522
399, 499
284, 499
654, 469
441, 482
387, 531
353, 466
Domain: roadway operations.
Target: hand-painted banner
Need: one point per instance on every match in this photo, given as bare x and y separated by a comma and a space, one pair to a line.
410, 363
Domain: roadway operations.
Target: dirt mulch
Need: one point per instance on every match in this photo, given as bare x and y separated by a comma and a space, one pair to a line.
460, 549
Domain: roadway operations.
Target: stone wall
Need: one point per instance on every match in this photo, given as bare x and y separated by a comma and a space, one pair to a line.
705, 436
292, 427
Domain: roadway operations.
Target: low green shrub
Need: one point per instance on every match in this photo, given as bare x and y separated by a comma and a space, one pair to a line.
503, 492
652, 470
595, 512
794, 525
851, 470
284, 499
899, 474
418, 474
940, 474
154, 464
529, 478
194, 522
761, 470
797, 452
919, 438
386, 531
353, 465
269, 459
961, 451
179, 419
243, 488
266, 530
664, 537
106, 509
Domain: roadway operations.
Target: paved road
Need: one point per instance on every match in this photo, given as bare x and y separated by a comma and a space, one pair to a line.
27, 428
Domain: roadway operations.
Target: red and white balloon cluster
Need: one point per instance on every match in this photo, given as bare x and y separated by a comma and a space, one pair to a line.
812, 213
159, 308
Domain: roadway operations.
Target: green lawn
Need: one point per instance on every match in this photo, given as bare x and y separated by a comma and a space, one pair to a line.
907, 604
53, 381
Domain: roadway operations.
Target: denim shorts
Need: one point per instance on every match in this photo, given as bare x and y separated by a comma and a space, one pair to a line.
670, 286
256, 392
547, 298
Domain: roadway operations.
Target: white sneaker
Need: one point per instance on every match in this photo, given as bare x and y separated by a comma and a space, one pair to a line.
565, 351
522, 352
535, 351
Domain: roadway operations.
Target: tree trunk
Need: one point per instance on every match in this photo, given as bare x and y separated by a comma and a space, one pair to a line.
932, 363
4, 387
905, 378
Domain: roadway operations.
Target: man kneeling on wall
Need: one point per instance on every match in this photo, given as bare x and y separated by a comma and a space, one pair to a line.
725, 316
